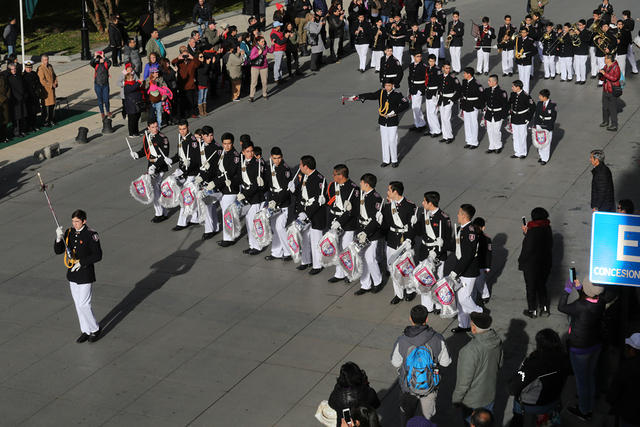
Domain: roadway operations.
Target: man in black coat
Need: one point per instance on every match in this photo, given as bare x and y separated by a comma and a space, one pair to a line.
601, 184
17, 100
81, 247
32, 101
535, 261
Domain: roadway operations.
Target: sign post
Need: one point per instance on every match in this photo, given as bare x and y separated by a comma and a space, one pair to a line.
615, 249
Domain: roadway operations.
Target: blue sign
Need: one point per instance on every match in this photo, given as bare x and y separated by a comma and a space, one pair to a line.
615, 249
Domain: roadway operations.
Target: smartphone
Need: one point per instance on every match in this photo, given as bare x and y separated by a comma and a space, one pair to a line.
572, 275
524, 221
346, 415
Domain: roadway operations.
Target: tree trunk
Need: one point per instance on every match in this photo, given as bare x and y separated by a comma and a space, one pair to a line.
162, 11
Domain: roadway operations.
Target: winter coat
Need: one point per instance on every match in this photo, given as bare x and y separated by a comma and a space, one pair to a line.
18, 96
156, 46
169, 77
10, 35
278, 41
255, 53
352, 397
552, 369
115, 37
585, 323
5, 94
32, 89
602, 189
611, 77
315, 29
132, 96
536, 247
202, 12
101, 71
49, 80
186, 73
121, 82
478, 364
202, 74
234, 65
212, 37
132, 56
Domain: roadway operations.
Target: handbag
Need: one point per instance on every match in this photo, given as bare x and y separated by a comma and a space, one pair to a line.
326, 414
616, 91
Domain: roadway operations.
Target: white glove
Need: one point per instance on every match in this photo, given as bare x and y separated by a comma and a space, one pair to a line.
335, 225
379, 217
59, 234
134, 155
186, 163
347, 205
227, 182
198, 180
291, 187
260, 182
272, 204
453, 275
205, 166
241, 197
362, 237
168, 161
302, 216
439, 242
152, 170
321, 200
76, 266
211, 186
414, 220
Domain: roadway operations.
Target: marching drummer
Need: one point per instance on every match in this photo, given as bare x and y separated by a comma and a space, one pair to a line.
209, 154
251, 189
155, 148
543, 122
227, 180
188, 156
279, 198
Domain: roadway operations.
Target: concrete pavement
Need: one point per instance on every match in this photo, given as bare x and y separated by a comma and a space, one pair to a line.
200, 335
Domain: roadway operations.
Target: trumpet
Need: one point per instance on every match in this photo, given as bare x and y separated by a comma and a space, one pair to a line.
447, 42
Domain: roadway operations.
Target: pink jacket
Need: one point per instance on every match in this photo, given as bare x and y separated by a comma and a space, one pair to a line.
255, 54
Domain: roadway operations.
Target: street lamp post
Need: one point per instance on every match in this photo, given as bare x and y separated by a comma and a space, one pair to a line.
84, 34
150, 6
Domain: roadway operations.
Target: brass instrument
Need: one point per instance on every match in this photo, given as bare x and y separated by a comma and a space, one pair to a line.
546, 36
394, 29
596, 25
431, 38
447, 42
574, 33
601, 41
413, 41
519, 54
505, 38
375, 38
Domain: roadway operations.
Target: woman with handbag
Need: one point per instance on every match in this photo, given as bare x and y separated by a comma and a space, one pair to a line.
611, 91
259, 66
49, 81
152, 86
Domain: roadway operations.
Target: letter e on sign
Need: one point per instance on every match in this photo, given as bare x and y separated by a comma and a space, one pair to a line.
623, 243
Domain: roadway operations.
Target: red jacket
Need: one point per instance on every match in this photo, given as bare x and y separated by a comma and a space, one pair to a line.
611, 77
278, 40
186, 73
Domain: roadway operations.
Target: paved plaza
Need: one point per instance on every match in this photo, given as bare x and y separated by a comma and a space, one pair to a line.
195, 334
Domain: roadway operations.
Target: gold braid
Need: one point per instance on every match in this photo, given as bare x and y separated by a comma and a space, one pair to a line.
383, 110
68, 262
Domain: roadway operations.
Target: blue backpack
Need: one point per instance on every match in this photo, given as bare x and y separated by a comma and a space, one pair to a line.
422, 373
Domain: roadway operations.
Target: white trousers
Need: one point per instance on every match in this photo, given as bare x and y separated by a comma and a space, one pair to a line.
519, 139
483, 61
454, 51
524, 74
566, 68
507, 61
376, 56
225, 202
251, 214
345, 240
545, 151
580, 67
397, 52
465, 302
398, 289
432, 115
211, 218
277, 64
549, 66
310, 249
434, 51
494, 133
441, 54
363, 50
622, 62
279, 246
471, 127
445, 120
81, 293
593, 61
416, 107
600, 65
371, 274
159, 210
481, 284
389, 139
182, 217
631, 57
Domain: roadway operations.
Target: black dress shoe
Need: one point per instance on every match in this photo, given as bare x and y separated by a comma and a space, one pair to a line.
95, 336
410, 296
225, 243
315, 271
361, 291
334, 280
207, 236
542, 163
302, 267
486, 300
466, 146
604, 124
435, 135
254, 251
347, 281
159, 218
287, 258
443, 140
498, 151
271, 258
82, 338
459, 330
612, 128
489, 151
544, 312
384, 165
522, 157
449, 141
472, 147
247, 251
530, 313
395, 300
376, 289
513, 156
179, 227
395, 164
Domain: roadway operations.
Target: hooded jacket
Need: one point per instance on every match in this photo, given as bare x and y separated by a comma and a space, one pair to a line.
478, 365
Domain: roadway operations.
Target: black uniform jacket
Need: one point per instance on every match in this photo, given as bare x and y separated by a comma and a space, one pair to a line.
85, 247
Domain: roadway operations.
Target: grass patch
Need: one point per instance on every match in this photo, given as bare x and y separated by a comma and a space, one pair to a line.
55, 27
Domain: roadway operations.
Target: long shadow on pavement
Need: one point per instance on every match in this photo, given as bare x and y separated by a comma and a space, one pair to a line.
175, 264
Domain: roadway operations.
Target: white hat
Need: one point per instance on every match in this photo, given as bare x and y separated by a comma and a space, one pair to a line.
28, 63
277, 24
633, 341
